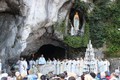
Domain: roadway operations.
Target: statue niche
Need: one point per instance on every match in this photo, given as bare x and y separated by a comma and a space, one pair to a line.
77, 22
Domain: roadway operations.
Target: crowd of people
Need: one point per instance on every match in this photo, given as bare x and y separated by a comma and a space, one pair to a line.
67, 69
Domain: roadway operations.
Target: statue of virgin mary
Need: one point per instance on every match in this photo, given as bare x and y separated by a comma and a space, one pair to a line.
76, 23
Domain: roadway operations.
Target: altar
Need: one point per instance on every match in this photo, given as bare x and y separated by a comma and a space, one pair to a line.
90, 63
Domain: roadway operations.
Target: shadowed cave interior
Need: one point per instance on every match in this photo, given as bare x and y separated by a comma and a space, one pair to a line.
50, 51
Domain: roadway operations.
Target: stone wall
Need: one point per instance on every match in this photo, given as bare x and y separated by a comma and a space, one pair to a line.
114, 63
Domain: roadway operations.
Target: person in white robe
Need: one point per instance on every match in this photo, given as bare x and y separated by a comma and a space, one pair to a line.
85, 65
49, 62
25, 67
77, 66
42, 60
94, 66
69, 65
22, 66
0, 66
73, 66
81, 66
97, 70
58, 66
101, 65
65, 64
106, 65
41, 63
37, 62
54, 62
61, 66
31, 63
117, 71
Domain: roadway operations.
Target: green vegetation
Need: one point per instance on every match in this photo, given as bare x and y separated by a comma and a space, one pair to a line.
60, 27
104, 22
78, 41
102, 26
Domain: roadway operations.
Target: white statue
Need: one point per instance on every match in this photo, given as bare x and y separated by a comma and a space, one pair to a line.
72, 31
76, 23
75, 27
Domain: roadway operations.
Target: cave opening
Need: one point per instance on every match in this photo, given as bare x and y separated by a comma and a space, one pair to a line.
51, 51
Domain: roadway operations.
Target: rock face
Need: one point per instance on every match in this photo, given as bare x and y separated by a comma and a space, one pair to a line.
25, 25
114, 64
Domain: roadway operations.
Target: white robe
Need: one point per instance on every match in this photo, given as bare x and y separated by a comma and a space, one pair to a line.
26, 67
77, 67
81, 67
49, 62
76, 23
69, 65
31, 63
22, 67
65, 66
54, 62
101, 66
37, 62
96, 66
58, 67
106, 65
73, 66
0, 67
61, 67
42, 60
76, 26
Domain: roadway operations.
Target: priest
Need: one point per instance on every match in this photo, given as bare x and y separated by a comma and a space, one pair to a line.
22, 66
31, 63
78, 66
81, 66
54, 62
58, 66
101, 66
25, 67
73, 66
0, 66
42, 60
61, 66
49, 62
106, 65
69, 65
